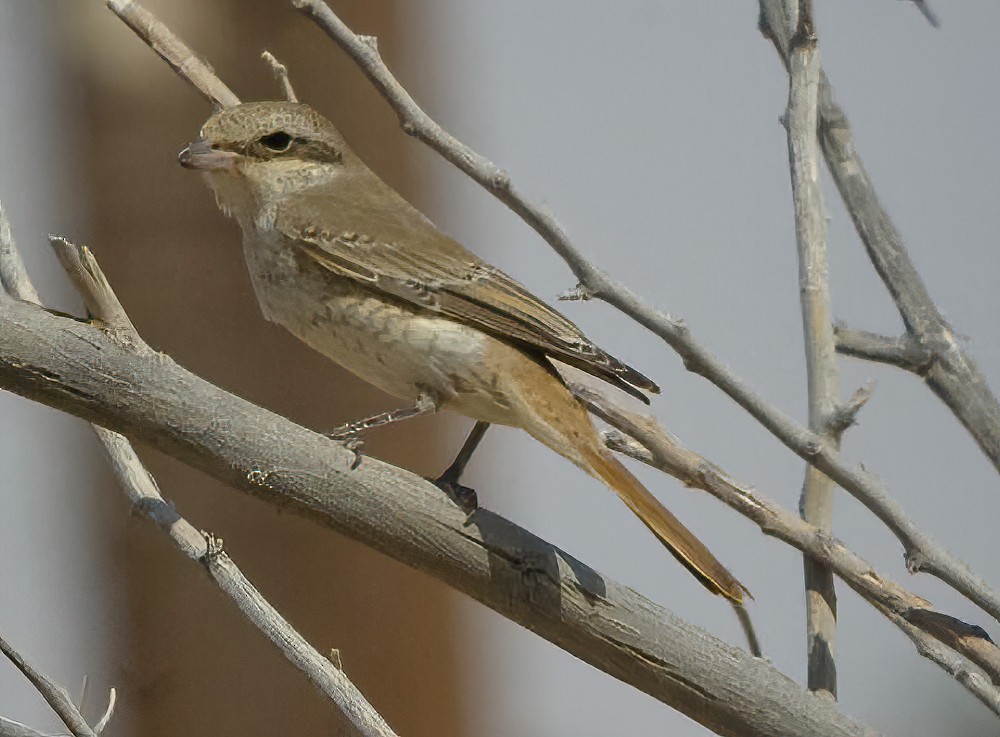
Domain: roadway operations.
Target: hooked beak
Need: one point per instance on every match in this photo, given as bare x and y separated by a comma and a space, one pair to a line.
201, 155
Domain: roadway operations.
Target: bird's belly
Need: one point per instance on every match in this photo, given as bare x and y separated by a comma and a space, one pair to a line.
402, 349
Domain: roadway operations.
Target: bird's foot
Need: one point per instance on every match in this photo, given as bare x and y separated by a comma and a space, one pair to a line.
350, 438
465, 497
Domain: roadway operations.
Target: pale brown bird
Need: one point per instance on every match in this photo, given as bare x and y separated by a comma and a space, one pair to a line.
347, 265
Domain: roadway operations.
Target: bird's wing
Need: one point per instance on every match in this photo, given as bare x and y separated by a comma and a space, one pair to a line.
399, 252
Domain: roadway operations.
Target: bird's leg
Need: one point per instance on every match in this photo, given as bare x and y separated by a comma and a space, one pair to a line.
349, 435
449, 480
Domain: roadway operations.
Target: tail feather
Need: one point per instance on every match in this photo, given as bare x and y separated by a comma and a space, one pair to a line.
680, 541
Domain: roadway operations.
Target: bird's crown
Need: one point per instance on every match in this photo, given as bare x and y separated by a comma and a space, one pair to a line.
272, 130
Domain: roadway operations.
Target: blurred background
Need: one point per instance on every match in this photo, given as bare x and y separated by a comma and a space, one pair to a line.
651, 130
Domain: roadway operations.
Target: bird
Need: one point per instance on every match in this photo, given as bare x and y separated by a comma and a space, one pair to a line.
347, 265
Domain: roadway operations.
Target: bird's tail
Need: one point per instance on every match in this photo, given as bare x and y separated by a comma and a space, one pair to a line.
544, 407
680, 541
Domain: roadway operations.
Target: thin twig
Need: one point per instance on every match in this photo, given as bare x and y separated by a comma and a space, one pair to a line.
280, 72
816, 503
100, 300
904, 352
105, 719
142, 491
749, 631
643, 438
175, 52
922, 552
55, 695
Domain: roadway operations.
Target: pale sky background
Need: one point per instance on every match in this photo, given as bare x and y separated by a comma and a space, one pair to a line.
651, 130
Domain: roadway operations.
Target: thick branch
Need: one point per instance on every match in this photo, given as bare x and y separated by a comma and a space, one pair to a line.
73, 366
816, 503
922, 552
952, 375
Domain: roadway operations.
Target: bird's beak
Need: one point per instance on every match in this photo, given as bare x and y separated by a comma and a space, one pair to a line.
201, 155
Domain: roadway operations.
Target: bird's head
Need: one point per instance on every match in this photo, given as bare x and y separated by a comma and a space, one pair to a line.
257, 153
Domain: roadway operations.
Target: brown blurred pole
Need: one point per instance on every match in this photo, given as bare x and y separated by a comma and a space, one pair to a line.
194, 666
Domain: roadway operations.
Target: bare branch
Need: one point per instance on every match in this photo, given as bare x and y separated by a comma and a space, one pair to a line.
280, 72
845, 415
749, 631
922, 552
105, 719
816, 503
641, 437
904, 352
93, 286
54, 694
175, 52
143, 492
952, 375
79, 369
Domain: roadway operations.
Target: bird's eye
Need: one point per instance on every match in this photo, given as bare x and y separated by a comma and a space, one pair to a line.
279, 141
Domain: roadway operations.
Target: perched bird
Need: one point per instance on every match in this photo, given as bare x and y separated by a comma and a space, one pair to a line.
348, 266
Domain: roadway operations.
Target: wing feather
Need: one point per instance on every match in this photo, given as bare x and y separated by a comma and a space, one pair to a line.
395, 249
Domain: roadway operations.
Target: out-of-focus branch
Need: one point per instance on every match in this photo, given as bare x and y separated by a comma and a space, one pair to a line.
175, 52
142, 490
280, 72
952, 374
925, 10
816, 502
922, 552
54, 694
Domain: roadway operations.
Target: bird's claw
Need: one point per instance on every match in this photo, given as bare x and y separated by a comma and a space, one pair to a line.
351, 440
465, 497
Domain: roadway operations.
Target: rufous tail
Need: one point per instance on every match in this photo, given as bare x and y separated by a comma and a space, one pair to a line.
678, 539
